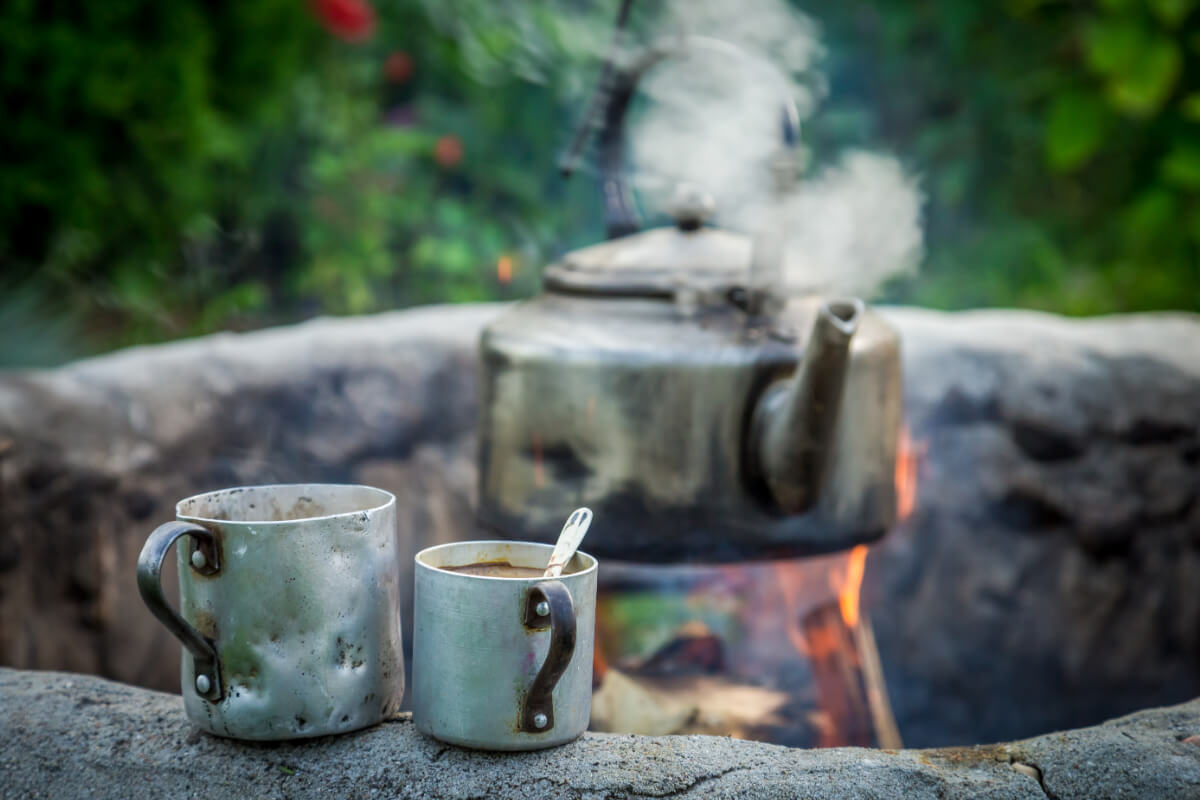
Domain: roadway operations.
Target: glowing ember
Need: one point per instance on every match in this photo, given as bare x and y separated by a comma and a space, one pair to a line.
848, 595
504, 269
908, 459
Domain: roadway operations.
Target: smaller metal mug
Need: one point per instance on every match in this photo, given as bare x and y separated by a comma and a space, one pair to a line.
289, 609
502, 663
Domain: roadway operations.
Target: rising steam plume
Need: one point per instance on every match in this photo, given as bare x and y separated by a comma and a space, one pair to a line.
714, 121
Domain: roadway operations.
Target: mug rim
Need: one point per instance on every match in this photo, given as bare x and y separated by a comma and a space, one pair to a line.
591, 567
387, 499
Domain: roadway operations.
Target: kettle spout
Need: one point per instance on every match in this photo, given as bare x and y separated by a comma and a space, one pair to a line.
793, 424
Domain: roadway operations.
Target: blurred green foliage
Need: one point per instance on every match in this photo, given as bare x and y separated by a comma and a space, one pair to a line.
1059, 144
130, 134
174, 168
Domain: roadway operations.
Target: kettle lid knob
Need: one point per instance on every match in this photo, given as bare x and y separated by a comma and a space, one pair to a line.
691, 206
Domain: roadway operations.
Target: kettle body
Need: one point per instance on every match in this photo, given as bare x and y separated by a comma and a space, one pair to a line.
642, 398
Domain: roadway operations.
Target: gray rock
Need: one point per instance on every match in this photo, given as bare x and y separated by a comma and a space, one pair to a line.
93, 456
1047, 579
67, 735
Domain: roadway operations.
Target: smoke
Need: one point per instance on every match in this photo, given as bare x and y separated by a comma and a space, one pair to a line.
713, 119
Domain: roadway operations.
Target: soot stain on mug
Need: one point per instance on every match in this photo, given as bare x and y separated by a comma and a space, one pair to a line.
302, 508
233, 506
350, 656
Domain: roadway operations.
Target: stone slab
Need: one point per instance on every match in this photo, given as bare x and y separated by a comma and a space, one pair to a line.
64, 735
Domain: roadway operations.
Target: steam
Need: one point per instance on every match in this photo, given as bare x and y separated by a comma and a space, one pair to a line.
714, 120
853, 226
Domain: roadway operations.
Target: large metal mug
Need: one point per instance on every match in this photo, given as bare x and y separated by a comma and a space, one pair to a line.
289, 608
502, 663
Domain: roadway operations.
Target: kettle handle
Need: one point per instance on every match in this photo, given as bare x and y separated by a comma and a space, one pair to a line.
612, 97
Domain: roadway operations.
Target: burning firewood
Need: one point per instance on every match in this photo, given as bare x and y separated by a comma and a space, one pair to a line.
837, 674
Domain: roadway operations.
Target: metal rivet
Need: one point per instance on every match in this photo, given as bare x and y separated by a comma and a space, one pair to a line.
199, 561
540, 720
542, 609
203, 684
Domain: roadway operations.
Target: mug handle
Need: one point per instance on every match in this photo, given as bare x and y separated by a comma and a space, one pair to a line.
548, 604
205, 561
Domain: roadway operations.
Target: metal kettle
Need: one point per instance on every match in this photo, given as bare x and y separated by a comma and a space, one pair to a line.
665, 379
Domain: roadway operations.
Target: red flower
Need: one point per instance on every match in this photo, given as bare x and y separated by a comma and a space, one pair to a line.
398, 67
350, 20
448, 151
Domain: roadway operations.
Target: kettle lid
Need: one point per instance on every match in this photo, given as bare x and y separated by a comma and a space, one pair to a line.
658, 262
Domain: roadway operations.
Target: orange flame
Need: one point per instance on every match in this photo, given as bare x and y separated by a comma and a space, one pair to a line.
908, 460
504, 269
821, 596
848, 596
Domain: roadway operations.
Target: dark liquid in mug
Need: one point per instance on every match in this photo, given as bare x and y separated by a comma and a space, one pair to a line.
496, 569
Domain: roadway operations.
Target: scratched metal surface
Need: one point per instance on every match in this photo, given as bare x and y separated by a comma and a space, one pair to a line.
642, 413
473, 659
305, 610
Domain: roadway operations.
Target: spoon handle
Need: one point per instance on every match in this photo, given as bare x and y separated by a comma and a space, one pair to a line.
568, 541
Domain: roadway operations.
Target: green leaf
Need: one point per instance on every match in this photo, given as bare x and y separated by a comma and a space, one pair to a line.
1171, 12
1113, 45
1182, 165
1149, 216
1142, 89
1074, 131
1190, 107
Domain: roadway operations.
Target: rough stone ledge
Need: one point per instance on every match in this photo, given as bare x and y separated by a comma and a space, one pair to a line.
66, 735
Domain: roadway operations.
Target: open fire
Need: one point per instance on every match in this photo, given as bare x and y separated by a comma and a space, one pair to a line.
775, 651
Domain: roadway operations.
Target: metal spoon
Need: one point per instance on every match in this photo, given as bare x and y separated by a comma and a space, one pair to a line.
568, 541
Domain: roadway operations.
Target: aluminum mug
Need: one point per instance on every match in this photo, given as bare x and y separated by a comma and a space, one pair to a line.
289, 609
502, 663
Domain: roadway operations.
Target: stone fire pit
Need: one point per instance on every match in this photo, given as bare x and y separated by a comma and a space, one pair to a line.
1047, 579
73, 736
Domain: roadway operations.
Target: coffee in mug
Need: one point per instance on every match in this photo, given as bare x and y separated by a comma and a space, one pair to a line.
496, 569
